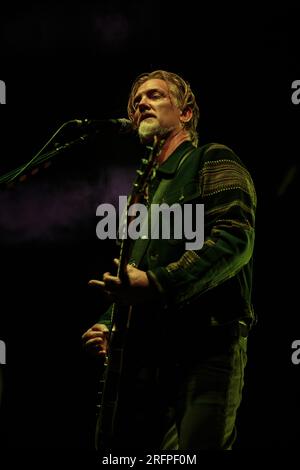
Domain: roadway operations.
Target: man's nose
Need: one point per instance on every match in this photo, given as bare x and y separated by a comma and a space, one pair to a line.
143, 104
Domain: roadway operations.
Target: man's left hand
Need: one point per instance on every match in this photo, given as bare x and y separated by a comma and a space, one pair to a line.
136, 288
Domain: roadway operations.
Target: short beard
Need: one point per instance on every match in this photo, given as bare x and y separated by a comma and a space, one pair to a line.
147, 131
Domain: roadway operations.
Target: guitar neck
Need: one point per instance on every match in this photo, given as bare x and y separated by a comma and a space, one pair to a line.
121, 317
123, 260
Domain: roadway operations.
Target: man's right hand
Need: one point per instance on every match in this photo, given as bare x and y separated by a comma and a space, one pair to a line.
95, 340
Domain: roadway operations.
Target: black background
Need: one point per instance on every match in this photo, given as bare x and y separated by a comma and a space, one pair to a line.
66, 61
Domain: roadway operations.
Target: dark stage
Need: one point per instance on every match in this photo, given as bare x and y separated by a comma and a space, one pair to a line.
67, 62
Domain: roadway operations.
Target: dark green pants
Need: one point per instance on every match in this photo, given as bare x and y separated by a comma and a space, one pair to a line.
190, 405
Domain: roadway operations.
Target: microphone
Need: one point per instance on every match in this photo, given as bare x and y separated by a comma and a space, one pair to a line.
123, 125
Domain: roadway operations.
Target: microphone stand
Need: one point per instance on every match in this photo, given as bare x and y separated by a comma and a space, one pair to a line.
18, 174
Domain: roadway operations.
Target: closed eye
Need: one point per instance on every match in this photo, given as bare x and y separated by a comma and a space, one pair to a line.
155, 95
152, 94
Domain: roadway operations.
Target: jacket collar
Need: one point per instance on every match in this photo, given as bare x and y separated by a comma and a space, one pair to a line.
170, 166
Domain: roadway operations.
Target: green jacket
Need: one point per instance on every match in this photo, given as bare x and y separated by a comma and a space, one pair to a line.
212, 284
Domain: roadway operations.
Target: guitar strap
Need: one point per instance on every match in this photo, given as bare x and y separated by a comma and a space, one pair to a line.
141, 244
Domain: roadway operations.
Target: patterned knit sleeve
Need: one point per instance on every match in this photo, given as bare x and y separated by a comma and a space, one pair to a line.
227, 191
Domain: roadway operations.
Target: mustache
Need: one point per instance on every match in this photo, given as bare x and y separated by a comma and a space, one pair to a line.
145, 116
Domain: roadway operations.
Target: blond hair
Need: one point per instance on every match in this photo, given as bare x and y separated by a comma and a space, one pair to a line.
181, 91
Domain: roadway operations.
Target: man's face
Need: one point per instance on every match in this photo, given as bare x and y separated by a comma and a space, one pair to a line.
156, 111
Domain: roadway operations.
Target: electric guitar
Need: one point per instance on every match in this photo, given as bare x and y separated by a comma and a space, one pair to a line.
121, 315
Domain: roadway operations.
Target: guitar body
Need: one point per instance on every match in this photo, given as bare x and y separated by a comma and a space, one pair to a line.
110, 385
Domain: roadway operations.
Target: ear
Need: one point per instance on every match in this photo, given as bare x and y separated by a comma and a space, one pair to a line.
186, 115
